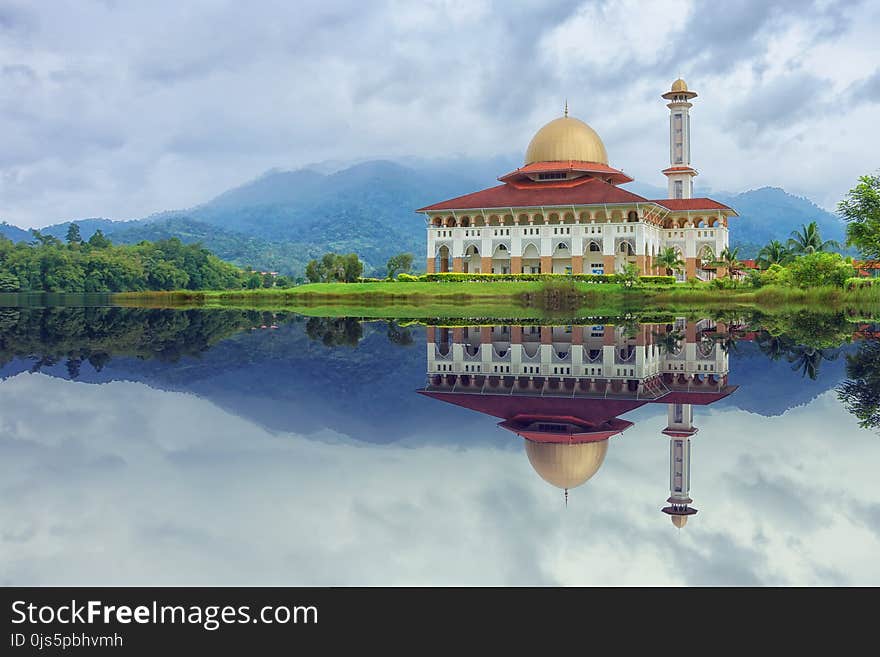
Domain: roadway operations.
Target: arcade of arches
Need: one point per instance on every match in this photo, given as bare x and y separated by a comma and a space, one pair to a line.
578, 241
564, 211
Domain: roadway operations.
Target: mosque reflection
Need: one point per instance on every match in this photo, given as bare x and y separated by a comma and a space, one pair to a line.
563, 388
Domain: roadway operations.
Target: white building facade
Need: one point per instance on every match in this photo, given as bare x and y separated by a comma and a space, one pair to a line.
564, 211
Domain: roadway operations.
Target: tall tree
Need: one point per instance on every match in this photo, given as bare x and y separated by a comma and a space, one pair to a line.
98, 241
314, 272
400, 263
43, 239
861, 210
334, 267
773, 253
808, 240
73, 234
352, 267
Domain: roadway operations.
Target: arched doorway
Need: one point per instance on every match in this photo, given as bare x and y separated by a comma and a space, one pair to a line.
471, 260
501, 260
561, 258
594, 263
531, 261
624, 255
444, 262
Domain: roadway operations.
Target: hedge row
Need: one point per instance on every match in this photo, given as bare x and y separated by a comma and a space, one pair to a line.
854, 283
456, 277
659, 280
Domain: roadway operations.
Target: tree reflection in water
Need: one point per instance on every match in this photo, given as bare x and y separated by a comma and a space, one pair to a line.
860, 393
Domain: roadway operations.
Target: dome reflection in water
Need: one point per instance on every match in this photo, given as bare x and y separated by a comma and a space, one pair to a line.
563, 388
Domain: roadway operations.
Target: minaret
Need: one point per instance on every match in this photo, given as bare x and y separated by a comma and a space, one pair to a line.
680, 173
680, 429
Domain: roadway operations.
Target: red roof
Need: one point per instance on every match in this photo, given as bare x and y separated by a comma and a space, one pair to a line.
695, 397
522, 426
590, 412
617, 176
679, 433
673, 169
692, 204
589, 191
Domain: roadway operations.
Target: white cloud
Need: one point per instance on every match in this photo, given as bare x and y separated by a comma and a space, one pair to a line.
121, 110
119, 484
617, 35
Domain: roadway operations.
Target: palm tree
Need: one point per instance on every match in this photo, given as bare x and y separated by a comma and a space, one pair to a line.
774, 346
729, 259
807, 360
669, 341
773, 253
808, 240
728, 341
670, 260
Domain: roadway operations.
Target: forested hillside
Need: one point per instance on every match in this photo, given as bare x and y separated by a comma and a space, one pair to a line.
283, 219
96, 265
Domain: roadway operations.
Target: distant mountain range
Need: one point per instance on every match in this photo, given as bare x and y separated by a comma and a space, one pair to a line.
280, 378
284, 218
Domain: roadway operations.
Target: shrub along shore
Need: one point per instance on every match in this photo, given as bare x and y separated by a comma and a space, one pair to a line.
503, 297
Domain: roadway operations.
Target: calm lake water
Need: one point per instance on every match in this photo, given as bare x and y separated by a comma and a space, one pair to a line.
152, 447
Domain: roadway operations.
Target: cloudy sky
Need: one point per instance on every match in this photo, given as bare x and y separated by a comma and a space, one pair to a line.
120, 109
122, 484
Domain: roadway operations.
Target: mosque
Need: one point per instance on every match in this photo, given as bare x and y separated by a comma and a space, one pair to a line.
565, 212
563, 388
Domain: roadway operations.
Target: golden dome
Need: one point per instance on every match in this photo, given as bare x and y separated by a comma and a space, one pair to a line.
566, 465
679, 521
566, 138
679, 85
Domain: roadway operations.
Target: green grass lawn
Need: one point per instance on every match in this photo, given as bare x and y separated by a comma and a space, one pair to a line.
509, 299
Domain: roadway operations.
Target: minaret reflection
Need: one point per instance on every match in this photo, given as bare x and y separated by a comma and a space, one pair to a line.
680, 428
563, 388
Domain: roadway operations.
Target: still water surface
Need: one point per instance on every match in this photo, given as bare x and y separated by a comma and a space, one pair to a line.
230, 448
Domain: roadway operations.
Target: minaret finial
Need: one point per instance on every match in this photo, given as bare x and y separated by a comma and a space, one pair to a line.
566, 107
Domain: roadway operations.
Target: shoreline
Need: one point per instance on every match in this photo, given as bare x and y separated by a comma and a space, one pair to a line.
509, 299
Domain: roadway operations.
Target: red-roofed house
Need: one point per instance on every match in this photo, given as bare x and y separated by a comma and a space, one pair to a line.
564, 212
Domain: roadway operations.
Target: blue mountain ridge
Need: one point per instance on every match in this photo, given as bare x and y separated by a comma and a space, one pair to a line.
283, 381
284, 218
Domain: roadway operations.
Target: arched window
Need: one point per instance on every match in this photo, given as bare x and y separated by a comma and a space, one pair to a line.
594, 247
632, 216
